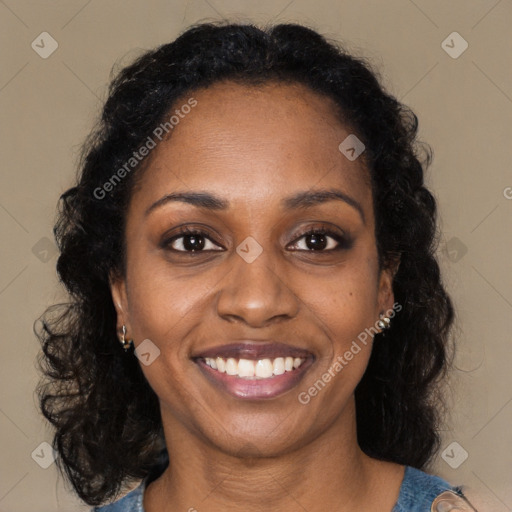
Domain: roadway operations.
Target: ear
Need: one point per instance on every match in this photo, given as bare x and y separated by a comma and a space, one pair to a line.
119, 297
386, 296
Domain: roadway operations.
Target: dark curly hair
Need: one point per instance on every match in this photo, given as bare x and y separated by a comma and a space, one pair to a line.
108, 430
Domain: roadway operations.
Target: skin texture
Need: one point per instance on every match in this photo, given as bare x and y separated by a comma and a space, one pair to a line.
253, 147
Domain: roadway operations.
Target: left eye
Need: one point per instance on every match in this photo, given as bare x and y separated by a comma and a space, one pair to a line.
318, 241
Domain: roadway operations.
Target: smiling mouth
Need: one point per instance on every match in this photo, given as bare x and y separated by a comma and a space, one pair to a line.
254, 370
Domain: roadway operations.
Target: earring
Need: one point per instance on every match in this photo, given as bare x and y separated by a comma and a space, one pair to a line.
126, 343
384, 323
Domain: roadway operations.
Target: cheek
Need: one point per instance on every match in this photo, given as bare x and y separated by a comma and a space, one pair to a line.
346, 308
164, 309
345, 303
161, 301
346, 312
168, 306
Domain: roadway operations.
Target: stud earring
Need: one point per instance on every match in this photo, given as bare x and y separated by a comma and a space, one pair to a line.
384, 323
126, 343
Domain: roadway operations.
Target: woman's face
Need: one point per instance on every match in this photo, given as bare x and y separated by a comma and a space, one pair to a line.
252, 170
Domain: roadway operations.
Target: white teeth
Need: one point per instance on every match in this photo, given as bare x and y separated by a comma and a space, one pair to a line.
260, 369
264, 368
278, 366
245, 368
231, 366
221, 364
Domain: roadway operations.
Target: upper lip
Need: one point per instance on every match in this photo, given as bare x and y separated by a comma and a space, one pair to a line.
251, 349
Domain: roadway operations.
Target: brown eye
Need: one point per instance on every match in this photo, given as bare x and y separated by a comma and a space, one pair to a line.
191, 241
321, 241
318, 242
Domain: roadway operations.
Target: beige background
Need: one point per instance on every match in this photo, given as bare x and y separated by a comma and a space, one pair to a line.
465, 111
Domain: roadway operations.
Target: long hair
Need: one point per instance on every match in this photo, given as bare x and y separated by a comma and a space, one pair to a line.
108, 429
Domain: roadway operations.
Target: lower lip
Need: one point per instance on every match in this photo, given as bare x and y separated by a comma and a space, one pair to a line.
255, 389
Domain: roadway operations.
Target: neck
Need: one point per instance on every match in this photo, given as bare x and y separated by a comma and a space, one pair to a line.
331, 472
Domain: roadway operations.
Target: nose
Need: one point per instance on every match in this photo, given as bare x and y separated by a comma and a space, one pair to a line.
256, 293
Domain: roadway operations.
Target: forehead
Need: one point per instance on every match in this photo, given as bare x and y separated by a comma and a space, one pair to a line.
255, 143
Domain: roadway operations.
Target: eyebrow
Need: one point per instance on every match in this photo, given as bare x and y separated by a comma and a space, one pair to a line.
300, 200
310, 198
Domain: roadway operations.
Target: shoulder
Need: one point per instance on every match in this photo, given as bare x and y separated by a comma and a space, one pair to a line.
419, 490
131, 502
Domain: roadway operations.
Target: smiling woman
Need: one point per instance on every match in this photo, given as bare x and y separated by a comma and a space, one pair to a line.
277, 243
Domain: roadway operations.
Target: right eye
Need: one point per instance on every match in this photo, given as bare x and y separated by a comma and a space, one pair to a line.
190, 241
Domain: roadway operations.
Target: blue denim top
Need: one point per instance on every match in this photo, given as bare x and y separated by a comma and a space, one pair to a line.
417, 492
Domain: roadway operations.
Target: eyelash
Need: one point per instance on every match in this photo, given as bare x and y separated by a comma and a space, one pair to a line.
343, 241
